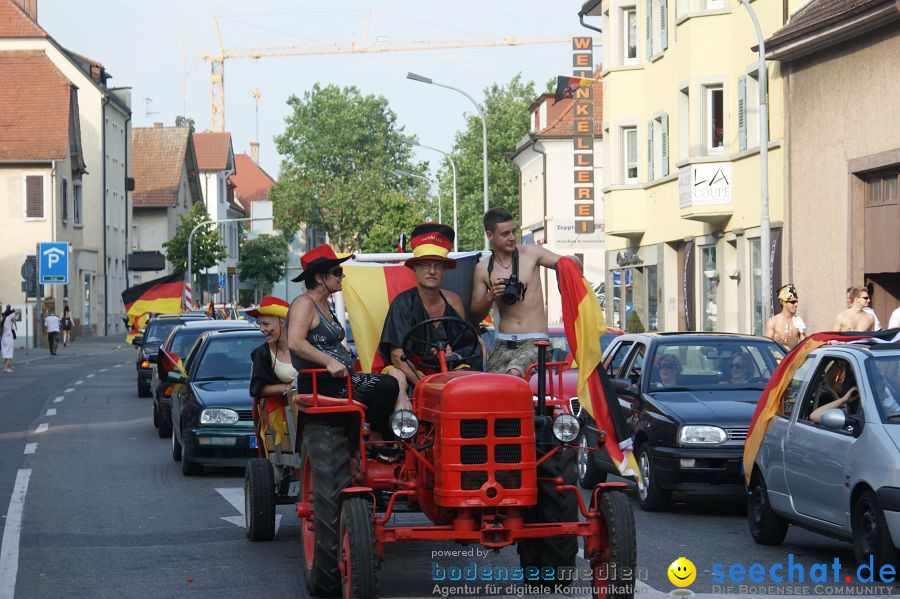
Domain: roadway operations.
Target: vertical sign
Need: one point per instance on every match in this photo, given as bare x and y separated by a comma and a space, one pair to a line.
583, 135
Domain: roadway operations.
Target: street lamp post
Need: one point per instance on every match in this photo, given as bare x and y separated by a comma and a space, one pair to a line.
403, 173
484, 157
413, 141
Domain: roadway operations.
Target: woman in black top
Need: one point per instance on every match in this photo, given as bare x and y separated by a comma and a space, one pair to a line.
314, 340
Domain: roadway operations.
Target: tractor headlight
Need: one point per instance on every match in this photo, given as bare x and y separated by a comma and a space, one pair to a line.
566, 428
404, 424
218, 416
694, 434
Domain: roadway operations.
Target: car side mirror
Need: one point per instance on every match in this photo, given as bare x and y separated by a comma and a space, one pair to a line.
834, 419
138, 341
173, 376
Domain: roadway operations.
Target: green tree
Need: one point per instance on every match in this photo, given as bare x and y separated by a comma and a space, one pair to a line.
339, 151
184, 121
207, 248
400, 214
634, 324
508, 120
263, 260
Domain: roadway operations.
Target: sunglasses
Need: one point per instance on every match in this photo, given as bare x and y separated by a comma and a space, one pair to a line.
738, 366
337, 272
867, 298
791, 301
667, 366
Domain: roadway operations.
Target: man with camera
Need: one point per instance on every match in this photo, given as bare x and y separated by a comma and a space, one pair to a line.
510, 278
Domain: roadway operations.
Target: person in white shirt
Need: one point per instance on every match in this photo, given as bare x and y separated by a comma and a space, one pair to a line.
51, 325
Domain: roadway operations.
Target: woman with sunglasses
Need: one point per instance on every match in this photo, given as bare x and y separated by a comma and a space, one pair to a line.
668, 369
314, 340
739, 369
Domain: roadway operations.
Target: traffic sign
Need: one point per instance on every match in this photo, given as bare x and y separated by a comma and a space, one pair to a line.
53, 263
221, 281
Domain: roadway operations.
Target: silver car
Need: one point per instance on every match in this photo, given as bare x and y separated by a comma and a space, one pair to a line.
830, 461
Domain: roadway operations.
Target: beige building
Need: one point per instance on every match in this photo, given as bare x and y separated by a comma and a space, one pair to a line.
840, 61
681, 191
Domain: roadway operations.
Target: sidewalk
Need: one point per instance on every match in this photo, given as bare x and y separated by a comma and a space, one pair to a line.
83, 346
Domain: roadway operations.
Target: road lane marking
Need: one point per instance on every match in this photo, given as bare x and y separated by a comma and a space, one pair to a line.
12, 530
235, 496
78, 382
90, 376
103, 369
42, 428
30, 448
51, 411
70, 389
59, 399
116, 365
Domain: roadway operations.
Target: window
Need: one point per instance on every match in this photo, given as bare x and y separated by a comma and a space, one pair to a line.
637, 364
616, 357
714, 119
792, 392
684, 124
710, 285
681, 8
630, 154
882, 188
86, 294
715, 4
34, 196
833, 379
64, 200
748, 111
652, 299
629, 36
709, 365
76, 204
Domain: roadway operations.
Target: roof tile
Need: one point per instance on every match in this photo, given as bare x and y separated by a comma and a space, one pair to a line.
158, 155
15, 22
212, 150
564, 124
251, 182
820, 14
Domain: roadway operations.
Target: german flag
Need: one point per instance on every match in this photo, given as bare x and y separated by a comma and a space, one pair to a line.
159, 296
369, 289
583, 322
566, 86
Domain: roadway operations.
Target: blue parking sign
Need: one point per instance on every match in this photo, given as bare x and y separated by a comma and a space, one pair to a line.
53, 263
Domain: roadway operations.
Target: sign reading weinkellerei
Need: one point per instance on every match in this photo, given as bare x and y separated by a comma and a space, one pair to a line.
583, 135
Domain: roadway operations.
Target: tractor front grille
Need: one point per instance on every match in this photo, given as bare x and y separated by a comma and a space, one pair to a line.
507, 427
473, 429
486, 450
473, 454
473, 479
509, 479
508, 454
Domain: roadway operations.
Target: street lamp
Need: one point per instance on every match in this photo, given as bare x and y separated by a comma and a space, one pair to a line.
412, 141
484, 158
403, 173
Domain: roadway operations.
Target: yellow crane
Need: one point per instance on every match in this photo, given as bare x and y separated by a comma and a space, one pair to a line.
217, 61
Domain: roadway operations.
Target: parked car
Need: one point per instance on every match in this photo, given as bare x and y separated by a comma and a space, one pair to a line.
148, 344
172, 351
839, 476
689, 407
212, 412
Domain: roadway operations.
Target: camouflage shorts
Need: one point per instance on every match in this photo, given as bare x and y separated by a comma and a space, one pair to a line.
503, 358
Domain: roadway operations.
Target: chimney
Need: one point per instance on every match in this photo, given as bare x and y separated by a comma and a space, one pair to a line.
254, 151
30, 8
157, 124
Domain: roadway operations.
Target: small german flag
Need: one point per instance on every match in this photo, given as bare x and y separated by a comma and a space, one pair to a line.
566, 86
159, 296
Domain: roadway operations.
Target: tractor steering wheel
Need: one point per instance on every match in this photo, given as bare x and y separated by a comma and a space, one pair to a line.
414, 340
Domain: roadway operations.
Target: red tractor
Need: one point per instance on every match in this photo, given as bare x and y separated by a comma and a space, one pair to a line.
483, 458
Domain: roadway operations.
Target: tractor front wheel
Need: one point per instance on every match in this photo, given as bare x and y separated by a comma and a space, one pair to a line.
358, 561
619, 554
259, 500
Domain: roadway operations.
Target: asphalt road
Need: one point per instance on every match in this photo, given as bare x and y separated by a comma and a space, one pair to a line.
106, 512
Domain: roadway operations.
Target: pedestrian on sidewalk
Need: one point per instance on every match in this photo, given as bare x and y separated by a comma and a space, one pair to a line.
7, 336
51, 325
66, 325
854, 318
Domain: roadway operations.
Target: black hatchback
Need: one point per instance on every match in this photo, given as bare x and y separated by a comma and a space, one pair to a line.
148, 344
689, 397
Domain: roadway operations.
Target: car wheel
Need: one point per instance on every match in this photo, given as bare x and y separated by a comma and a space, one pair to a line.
259, 500
189, 465
620, 548
651, 496
589, 475
358, 562
767, 527
871, 536
176, 447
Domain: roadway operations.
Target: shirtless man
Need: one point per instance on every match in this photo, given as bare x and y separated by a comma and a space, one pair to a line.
523, 321
855, 318
786, 327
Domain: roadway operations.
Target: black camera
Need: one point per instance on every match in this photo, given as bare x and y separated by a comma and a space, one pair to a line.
513, 291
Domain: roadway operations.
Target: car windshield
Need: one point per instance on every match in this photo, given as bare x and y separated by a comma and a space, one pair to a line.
227, 358
713, 365
183, 341
159, 330
884, 378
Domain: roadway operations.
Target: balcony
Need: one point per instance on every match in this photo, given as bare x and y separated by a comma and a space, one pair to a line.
704, 192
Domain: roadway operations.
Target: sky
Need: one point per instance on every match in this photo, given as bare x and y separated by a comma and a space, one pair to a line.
149, 45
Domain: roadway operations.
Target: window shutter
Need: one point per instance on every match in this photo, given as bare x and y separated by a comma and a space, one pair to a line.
649, 28
650, 151
742, 112
665, 145
663, 24
65, 200
34, 196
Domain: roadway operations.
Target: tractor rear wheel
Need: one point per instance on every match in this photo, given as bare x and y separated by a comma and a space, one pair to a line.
358, 561
620, 553
553, 506
325, 473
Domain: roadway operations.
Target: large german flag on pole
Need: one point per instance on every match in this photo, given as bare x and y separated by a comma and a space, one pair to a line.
583, 322
160, 296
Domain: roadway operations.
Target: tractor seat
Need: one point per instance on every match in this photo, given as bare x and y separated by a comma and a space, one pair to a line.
307, 401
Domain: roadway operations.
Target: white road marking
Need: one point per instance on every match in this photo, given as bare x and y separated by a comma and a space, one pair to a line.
235, 496
42, 428
90, 376
30, 448
103, 369
51, 411
70, 389
78, 382
116, 365
9, 546
59, 399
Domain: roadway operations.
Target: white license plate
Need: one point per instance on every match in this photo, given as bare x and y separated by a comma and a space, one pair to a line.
253, 442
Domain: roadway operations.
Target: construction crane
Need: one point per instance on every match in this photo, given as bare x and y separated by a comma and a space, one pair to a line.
217, 61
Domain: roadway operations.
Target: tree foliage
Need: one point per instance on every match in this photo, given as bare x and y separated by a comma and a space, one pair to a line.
339, 151
207, 248
634, 324
184, 121
263, 260
508, 120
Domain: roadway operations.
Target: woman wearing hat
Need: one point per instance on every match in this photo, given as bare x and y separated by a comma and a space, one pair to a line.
272, 373
314, 339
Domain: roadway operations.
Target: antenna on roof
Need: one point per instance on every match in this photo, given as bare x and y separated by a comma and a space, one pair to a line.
147, 111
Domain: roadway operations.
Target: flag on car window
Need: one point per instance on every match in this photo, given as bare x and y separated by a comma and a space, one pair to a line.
566, 86
584, 325
159, 296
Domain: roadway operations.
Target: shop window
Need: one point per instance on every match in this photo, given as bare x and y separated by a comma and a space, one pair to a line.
710, 286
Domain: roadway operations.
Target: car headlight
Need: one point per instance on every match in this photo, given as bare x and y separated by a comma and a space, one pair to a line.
701, 434
566, 428
404, 424
218, 416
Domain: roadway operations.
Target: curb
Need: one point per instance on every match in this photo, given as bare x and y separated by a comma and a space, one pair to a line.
48, 356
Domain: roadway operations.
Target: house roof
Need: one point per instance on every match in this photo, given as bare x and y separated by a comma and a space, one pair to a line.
15, 22
35, 99
564, 124
251, 182
213, 150
158, 160
820, 15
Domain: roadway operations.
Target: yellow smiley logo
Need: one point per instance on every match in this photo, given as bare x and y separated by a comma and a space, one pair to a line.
682, 572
